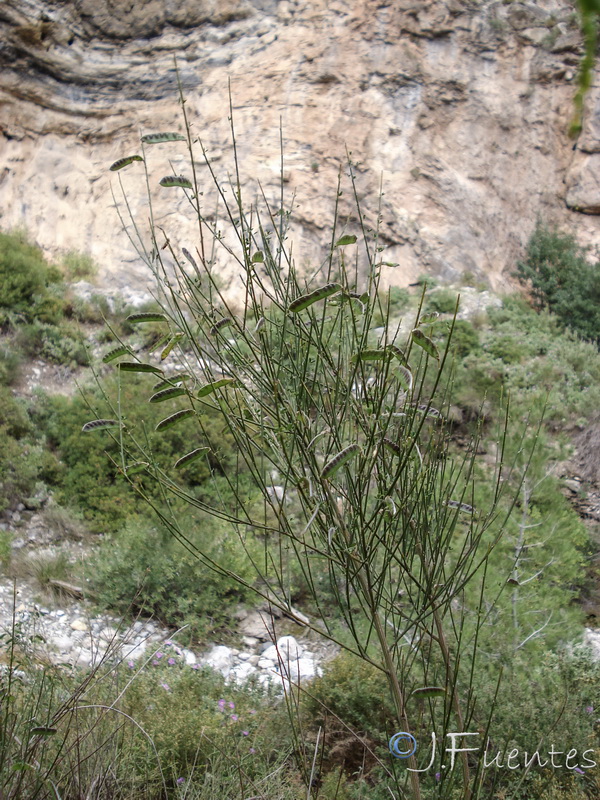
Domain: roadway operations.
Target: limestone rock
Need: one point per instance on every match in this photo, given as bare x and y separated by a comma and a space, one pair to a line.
583, 187
592, 638
220, 658
242, 672
303, 668
189, 657
461, 108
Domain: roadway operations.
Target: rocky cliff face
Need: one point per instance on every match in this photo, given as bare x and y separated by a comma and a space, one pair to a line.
460, 106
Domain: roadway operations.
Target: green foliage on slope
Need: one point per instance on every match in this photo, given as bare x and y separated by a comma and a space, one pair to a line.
563, 280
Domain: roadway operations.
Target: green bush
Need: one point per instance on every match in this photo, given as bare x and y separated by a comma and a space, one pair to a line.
562, 279
355, 692
165, 729
465, 339
524, 719
24, 275
61, 344
78, 265
398, 300
143, 567
10, 362
510, 349
23, 460
90, 480
441, 300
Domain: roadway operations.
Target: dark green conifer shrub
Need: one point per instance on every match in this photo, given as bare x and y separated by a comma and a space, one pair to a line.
563, 280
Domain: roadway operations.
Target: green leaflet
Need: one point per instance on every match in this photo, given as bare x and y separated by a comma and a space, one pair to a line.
427, 319
146, 316
258, 258
398, 354
175, 418
190, 258
307, 300
429, 411
172, 342
124, 162
115, 353
167, 394
159, 138
429, 691
171, 381
362, 298
461, 506
176, 180
42, 730
370, 355
209, 388
393, 446
338, 461
405, 378
99, 424
222, 323
347, 239
192, 456
21, 766
136, 467
160, 343
425, 342
137, 366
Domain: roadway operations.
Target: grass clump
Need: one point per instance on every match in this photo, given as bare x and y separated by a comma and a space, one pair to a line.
162, 728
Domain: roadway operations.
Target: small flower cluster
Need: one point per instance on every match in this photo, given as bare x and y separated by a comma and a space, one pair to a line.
229, 706
174, 657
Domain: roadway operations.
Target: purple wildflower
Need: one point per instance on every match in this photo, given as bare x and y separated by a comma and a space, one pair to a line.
130, 664
180, 780
437, 777
579, 770
195, 666
166, 687
221, 704
589, 709
158, 654
234, 717
171, 661
252, 750
155, 663
168, 644
231, 705
245, 733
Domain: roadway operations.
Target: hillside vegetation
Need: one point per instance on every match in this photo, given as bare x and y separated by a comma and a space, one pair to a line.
515, 371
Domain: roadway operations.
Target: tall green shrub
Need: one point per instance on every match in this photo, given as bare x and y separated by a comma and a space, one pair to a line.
24, 276
563, 280
348, 451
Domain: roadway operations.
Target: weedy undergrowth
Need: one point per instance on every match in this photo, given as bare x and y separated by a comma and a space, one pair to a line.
341, 425
57, 741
